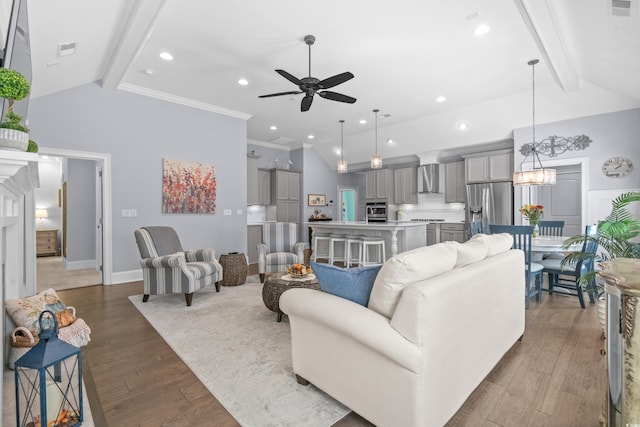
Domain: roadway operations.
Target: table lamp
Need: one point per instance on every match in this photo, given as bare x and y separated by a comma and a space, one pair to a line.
40, 214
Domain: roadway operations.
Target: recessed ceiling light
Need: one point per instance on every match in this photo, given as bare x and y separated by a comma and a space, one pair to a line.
391, 141
481, 30
274, 128
441, 99
166, 56
338, 151
310, 136
363, 121
147, 71
243, 82
463, 126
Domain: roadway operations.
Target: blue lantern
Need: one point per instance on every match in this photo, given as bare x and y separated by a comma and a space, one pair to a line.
49, 381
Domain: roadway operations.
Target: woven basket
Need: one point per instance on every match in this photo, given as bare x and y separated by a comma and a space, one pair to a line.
22, 340
234, 269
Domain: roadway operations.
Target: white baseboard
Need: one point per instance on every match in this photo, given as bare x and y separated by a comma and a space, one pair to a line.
126, 276
79, 265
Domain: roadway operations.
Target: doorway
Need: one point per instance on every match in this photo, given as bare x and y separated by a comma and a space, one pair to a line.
348, 202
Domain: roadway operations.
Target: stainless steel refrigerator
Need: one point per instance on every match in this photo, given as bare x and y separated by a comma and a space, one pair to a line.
490, 203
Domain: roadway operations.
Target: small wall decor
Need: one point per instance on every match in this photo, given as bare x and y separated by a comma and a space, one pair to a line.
554, 145
188, 187
317, 200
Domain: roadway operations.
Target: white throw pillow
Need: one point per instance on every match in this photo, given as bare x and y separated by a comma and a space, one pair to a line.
470, 251
497, 243
405, 268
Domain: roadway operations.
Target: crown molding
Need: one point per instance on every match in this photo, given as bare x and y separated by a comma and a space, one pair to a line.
128, 87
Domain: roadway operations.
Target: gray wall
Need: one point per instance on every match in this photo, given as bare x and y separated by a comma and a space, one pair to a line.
139, 132
268, 157
318, 178
81, 210
613, 134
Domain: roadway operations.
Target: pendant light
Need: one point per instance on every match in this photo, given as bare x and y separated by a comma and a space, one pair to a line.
536, 175
376, 160
342, 165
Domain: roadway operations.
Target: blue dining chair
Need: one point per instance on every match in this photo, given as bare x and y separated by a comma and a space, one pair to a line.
551, 228
568, 276
522, 240
478, 227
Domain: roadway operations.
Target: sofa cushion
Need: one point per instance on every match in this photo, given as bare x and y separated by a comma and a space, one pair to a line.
497, 243
405, 268
470, 251
353, 284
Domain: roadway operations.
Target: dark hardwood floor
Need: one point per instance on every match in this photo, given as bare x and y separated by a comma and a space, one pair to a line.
554, 377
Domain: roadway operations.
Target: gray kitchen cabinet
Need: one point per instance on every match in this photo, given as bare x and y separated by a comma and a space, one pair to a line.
254, 237
455, 188
488, 167
452, 231
432, 234
285, 194
379, 185
288, 211
406, 185
258, 184
264, 187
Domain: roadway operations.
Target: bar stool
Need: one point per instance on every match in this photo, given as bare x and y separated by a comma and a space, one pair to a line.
321, 237
339, 239
378, 244
351, 259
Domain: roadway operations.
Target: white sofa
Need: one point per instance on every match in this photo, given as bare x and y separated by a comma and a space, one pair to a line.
438, 320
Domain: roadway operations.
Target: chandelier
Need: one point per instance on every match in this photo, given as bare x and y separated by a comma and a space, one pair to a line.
537, 175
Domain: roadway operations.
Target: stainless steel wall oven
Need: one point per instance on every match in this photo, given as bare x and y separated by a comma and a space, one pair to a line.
376, 212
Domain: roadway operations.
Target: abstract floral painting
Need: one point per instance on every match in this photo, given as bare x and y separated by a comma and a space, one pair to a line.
188, 187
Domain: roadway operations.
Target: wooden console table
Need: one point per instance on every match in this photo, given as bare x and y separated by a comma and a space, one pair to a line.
46, 242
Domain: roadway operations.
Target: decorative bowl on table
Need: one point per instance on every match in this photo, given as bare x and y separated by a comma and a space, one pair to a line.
299, 270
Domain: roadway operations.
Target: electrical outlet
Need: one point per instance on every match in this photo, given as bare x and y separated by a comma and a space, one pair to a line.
227, 212
129, 213
238, 211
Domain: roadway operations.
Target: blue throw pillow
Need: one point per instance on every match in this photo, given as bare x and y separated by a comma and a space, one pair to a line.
353, 284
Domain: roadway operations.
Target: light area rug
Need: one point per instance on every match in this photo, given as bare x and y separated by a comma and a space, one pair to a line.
234, 345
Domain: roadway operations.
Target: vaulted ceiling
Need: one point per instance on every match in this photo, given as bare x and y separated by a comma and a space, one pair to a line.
404, 55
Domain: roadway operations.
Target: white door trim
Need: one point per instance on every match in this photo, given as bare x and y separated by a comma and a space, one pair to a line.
584, 172
107, 241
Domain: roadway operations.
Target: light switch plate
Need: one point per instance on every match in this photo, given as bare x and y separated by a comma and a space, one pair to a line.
227, 212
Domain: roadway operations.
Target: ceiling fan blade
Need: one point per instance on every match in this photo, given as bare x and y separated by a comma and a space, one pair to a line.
306, 103
280, 93
335, 96
335, 80
289, 77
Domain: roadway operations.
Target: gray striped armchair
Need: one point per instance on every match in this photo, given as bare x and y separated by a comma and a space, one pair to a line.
167, 268
279, 248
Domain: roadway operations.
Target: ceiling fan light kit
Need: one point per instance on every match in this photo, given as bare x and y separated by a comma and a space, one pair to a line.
376, 160
311, 85
536, 175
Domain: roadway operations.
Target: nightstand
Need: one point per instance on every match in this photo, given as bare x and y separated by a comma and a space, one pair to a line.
46, 242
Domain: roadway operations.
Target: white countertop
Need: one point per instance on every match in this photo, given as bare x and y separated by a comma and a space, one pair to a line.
367, 225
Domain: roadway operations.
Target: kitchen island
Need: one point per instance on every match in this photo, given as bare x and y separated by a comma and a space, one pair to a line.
399, 236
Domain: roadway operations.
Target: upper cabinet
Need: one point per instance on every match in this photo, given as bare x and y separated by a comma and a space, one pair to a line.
379, 185
491, 166
455, 188
406, 185
285, 194
258, 184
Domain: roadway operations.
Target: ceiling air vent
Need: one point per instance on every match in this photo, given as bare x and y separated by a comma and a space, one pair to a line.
65, 49
621, 7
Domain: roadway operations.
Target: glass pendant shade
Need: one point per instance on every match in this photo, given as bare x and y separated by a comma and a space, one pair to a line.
376, 159
535, 177
342, 166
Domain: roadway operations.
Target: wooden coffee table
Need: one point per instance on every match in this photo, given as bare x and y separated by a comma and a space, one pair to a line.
276, 284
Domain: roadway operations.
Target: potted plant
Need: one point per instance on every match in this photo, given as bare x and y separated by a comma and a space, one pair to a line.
13, 87
615, 235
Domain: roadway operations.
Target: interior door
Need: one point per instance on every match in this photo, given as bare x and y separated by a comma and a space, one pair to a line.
563, 201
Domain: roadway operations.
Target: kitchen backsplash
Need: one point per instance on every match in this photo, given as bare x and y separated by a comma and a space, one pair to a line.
430, 206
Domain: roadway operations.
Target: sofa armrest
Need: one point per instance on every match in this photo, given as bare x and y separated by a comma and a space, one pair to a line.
200, 255
352, 320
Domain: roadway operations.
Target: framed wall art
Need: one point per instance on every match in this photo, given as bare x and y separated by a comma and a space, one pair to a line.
317, 200
188, 187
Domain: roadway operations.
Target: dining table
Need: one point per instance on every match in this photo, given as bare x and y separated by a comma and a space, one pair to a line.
550, 244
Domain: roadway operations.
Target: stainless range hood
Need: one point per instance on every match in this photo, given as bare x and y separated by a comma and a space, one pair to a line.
429, 178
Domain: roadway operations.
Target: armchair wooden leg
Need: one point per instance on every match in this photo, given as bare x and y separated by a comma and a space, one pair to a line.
301, 380
217, 286
261, 277
189, 298
145, 297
